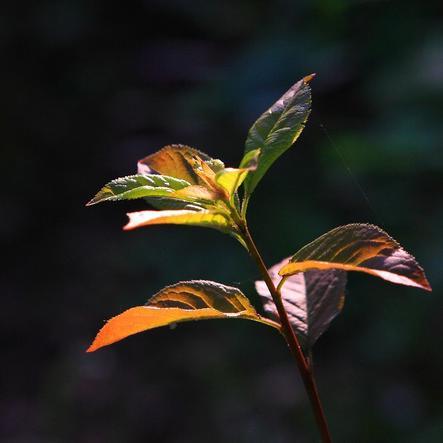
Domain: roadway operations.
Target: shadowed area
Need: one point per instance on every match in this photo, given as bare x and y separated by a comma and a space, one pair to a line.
88, 89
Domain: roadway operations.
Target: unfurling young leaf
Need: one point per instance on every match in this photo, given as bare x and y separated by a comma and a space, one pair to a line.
312, 300
231, 178
359, 247
277, 129
184, 301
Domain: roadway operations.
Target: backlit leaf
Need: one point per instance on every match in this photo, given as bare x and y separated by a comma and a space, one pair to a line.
138, 186
359, 247
178, 161
205, 218
312, 300
277, 129
215, 164
231, 178
184, 301
197, 193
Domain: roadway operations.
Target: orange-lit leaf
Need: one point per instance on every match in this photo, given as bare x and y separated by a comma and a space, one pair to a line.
178, 161
359, 247
184, 301
311, 299
196, 193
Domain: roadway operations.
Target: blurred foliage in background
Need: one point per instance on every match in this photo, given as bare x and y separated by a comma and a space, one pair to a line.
88, 88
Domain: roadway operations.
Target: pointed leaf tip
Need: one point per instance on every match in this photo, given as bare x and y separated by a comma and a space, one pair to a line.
359, 247
277, 129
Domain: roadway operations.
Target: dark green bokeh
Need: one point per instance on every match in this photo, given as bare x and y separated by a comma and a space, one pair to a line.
88, 88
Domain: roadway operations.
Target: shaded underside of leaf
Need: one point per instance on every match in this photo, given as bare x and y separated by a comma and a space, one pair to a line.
277, 129
184, 301
359, 247
163, 203
138, 186
311, 299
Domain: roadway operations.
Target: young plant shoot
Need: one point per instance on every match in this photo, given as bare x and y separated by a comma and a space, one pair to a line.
302, 294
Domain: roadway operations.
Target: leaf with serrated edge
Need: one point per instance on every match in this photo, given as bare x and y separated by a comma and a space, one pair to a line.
184, 301
311, 299
138, 186
209, 219
359, 247
278, 128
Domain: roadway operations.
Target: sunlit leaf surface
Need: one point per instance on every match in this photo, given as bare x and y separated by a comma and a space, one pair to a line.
203, 218
311, 299
359, 247
138, 186
231, 178
198, 194
178, 161
184, 301
277, 129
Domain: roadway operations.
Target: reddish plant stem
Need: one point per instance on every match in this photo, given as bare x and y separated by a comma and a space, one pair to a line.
291, 340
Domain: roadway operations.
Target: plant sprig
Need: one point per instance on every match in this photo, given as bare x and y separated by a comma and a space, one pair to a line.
303, 293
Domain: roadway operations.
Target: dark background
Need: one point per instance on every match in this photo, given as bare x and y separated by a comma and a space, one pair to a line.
88, 88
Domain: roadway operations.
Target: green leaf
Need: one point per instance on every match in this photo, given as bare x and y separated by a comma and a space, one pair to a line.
184, 301
215, 164
250, 160
277, 129
312, 300
359, 247
138, 186
163, 203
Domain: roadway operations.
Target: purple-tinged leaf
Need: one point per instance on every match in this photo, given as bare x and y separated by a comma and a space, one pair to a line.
359, 247
311, 299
